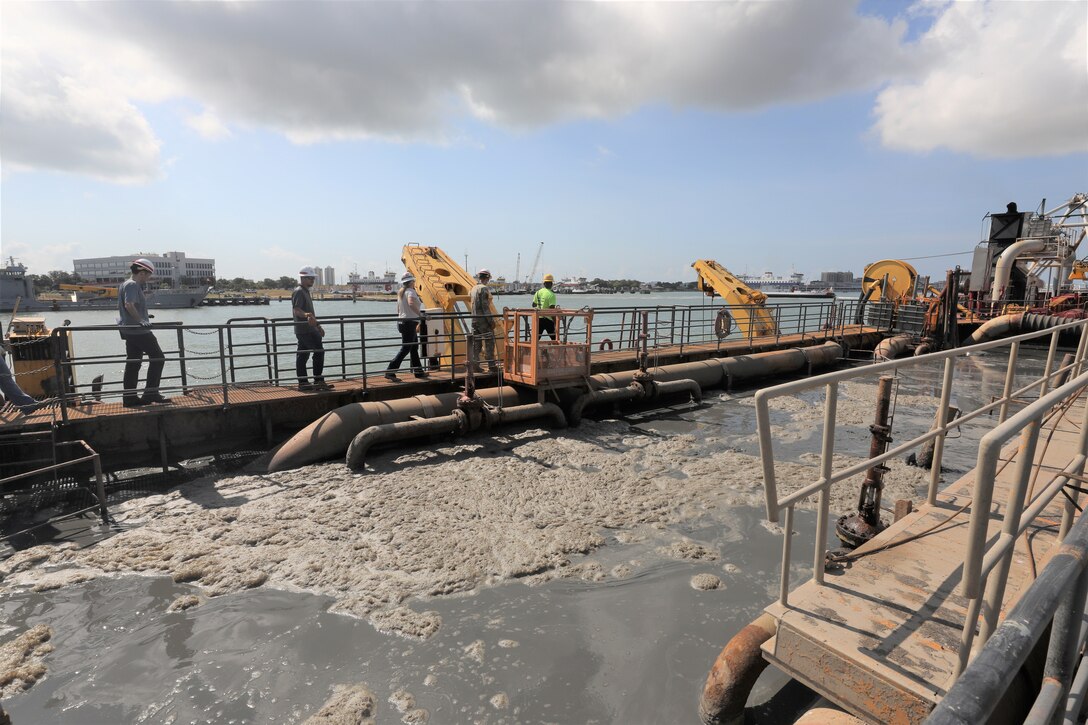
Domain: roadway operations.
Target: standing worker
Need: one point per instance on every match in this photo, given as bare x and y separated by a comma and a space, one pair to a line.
483, 330
308, 332
135, 329
544, 299
409, 315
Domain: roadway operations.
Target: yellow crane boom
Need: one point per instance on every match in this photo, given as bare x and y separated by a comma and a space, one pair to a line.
748, 305
98, 289
443, 284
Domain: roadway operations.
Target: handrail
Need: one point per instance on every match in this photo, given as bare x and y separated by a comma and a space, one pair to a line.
259, 350
981, 559
92, 456
1057, 597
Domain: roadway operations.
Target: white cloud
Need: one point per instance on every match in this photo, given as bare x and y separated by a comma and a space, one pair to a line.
42, 258
208, 125
1001, 79
77, 76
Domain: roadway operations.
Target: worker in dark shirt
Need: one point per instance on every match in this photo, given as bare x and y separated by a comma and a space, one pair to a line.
308, 332
135, 329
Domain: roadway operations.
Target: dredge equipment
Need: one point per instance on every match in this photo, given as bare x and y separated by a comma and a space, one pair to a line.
749, 308
1024, 276
444, 287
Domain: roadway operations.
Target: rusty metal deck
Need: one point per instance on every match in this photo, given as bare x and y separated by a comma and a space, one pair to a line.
882, 637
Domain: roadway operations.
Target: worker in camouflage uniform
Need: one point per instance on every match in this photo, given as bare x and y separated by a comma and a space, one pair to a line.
483, 330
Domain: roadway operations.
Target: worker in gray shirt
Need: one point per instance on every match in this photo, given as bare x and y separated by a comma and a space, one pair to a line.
135, 328
308, 332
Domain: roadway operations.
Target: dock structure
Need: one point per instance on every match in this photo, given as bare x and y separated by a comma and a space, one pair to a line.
233, 386
886, 631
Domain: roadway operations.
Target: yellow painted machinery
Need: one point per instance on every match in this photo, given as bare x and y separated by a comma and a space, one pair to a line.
32, 358
748, 306
443, 285
889, 280
95, 289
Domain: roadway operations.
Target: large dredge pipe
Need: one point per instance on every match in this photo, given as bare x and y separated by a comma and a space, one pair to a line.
329, 436
723, 372
1014, 324
692, 377
1006, 261
892, 347
735, 673
455, 422
458, 422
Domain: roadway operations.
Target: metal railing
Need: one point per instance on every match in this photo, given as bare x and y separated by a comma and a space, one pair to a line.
254, 351
981, 560
91, 456
1056, 599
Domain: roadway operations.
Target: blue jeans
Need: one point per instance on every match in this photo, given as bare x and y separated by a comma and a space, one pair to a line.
409, 340
11, 390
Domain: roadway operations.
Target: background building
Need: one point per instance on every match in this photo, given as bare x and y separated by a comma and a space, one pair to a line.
330, 276
318, 278
837, 278
173, 268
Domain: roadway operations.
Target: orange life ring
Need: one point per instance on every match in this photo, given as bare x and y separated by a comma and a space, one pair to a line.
723, 324
604, 342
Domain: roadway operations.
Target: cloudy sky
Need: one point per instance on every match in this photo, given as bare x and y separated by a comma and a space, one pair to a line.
629, 138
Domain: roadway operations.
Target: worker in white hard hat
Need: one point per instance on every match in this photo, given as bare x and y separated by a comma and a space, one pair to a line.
308, 332
544, 299
483, 326
134, 324
409, 316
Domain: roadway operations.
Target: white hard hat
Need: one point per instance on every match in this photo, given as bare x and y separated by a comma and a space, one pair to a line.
408, 277
144, 264
483, 272
306, 272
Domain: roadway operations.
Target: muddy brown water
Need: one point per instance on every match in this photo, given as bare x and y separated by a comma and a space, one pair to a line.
522, 576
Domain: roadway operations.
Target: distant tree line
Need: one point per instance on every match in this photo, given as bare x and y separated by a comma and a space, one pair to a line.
629, 285
240, 284
46, 282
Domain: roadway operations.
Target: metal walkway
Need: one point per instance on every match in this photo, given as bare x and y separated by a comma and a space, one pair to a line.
887, 635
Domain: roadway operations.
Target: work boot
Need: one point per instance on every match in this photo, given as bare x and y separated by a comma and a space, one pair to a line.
392, 377
131, 401
305, 387
321, 385
150, 398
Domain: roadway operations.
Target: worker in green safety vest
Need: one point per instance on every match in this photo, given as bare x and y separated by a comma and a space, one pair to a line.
544, 299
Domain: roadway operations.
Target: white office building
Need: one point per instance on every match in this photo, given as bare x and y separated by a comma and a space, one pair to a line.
330, 276
174, 268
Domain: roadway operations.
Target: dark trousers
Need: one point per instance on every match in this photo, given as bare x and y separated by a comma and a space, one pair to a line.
309, 342
136, 346
409, 340
547, 327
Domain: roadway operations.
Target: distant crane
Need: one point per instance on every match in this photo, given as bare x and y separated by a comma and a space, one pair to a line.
517, 273
536, 263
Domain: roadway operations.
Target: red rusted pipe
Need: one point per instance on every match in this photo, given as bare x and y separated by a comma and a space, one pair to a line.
735, 673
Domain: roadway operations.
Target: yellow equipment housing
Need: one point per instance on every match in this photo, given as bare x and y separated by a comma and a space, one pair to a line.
1080, 270
30, 352
443, 284
750, 312
894, 279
